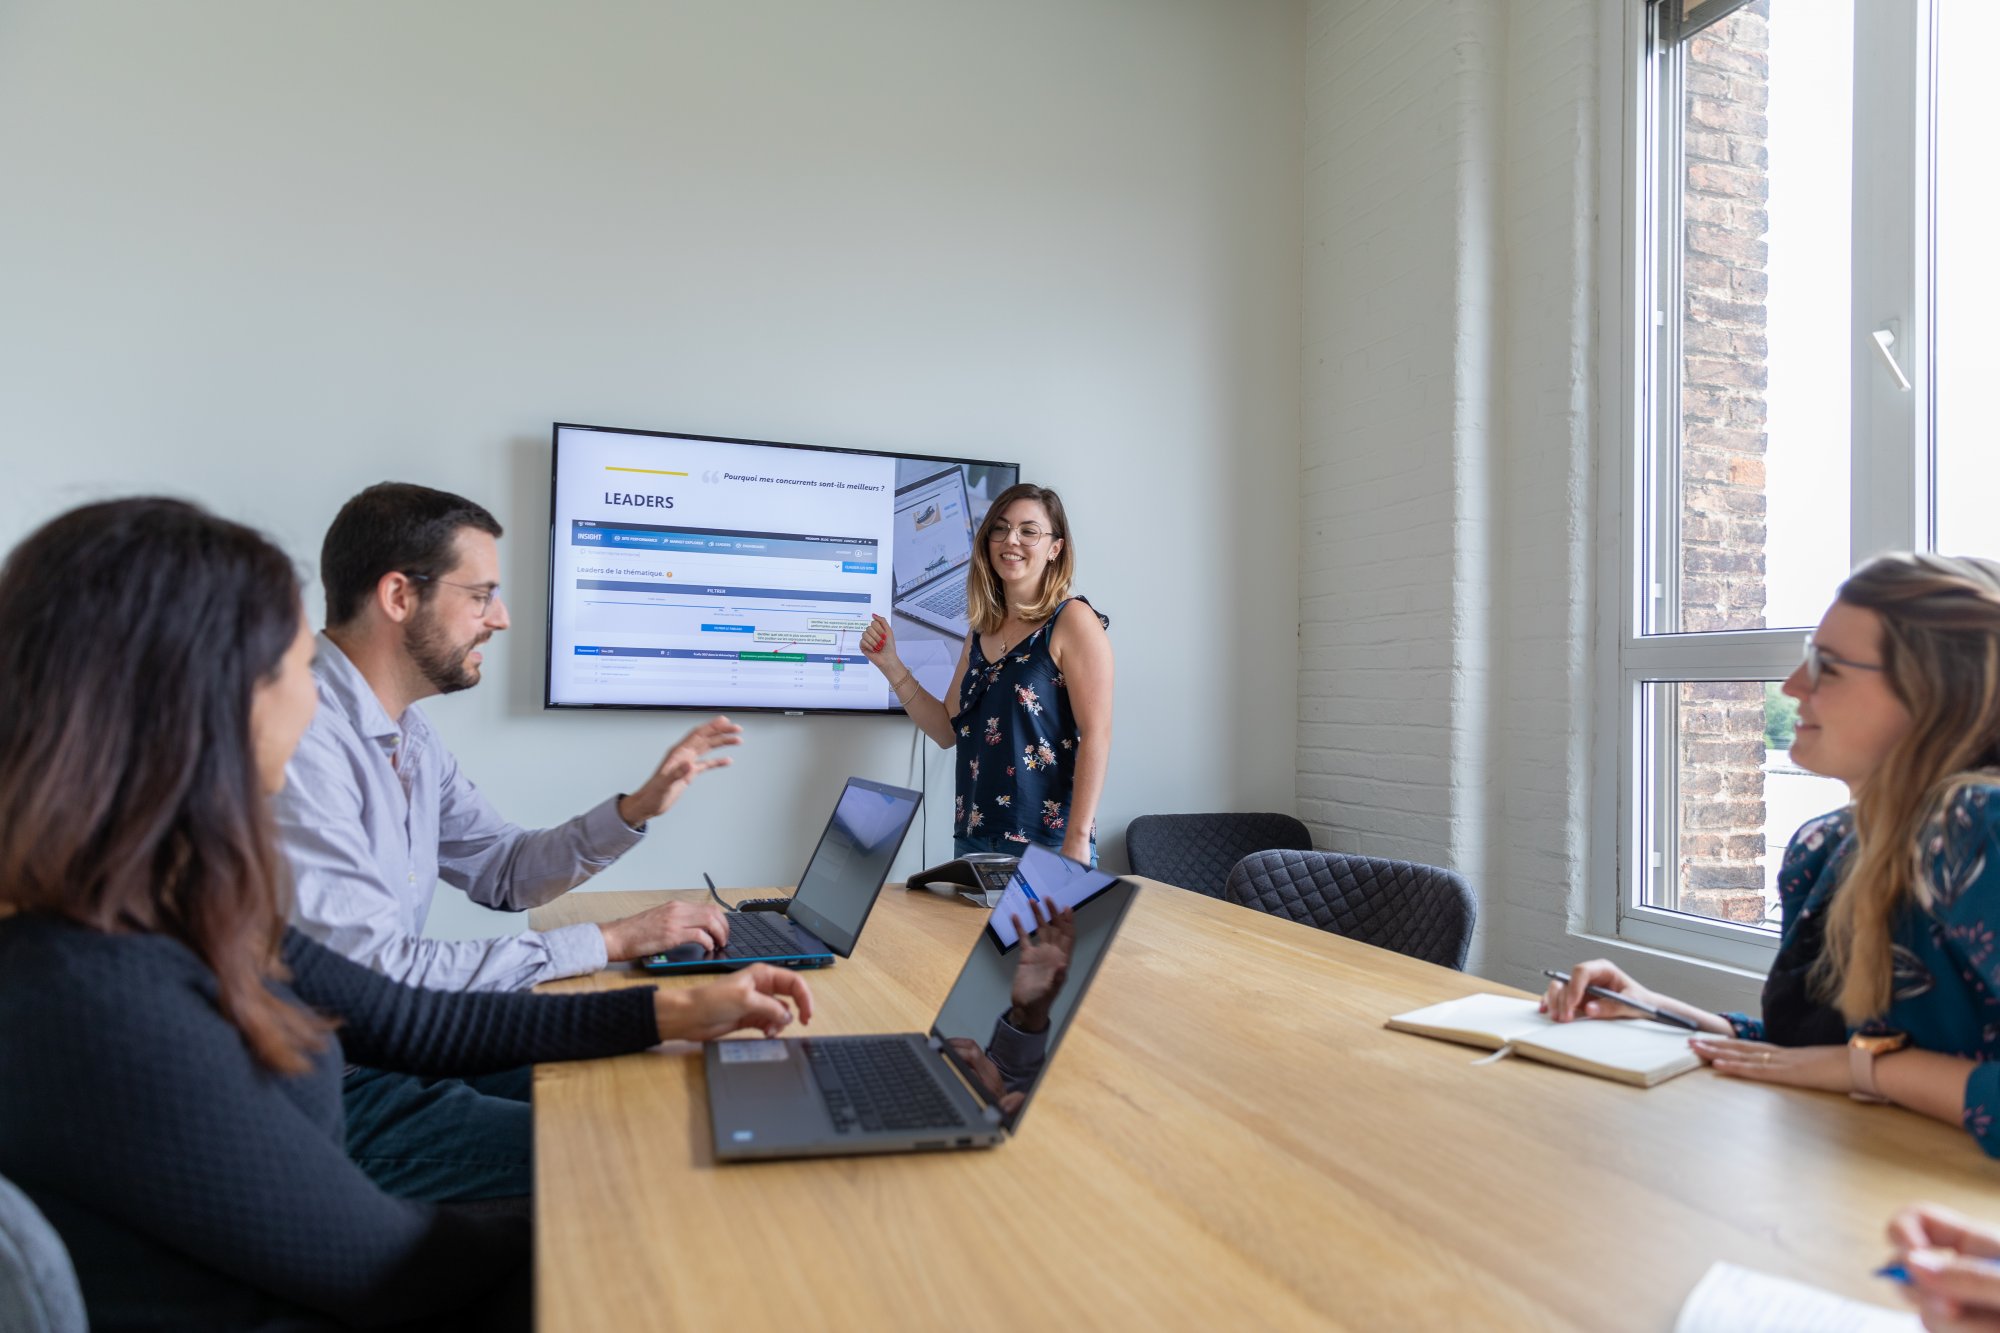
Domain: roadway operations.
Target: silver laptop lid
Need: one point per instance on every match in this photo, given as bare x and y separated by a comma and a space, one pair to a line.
933, 533
1008, 1011
845, 874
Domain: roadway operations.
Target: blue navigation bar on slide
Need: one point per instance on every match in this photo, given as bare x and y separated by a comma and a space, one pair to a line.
857, 555
719, 655
713, 590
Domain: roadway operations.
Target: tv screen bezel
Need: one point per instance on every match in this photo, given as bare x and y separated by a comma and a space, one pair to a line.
549, 611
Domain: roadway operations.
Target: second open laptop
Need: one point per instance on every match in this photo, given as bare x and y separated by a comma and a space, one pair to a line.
835, 894
965, 1084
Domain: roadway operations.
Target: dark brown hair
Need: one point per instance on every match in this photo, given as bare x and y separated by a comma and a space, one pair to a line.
132, 636
393, 527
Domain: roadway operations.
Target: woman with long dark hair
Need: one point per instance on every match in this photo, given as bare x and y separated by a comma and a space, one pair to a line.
172, 1053
1032, 720
1887, 980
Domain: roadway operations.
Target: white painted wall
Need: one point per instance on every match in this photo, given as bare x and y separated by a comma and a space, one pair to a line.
1455, 520
263, 255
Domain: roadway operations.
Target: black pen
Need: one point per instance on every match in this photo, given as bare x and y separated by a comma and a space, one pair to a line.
1648, 1010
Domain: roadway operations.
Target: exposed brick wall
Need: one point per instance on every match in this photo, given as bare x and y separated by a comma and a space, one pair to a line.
1726, 83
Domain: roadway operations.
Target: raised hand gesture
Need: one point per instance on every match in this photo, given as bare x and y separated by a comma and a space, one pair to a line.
693, 754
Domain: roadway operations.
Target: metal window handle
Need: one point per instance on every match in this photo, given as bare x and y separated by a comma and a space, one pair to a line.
1884, 339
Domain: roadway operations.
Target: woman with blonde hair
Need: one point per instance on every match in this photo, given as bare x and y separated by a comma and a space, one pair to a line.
1032, 724
1887, 981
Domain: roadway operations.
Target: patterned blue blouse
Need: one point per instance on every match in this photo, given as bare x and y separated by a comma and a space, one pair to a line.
1017, 743
1946, 970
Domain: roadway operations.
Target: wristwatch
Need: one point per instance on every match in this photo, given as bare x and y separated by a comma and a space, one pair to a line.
1863, 1049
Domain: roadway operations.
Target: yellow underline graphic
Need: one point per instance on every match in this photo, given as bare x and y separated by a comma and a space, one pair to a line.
655, 471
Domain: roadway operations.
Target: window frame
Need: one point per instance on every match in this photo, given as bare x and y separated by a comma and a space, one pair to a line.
1891, 454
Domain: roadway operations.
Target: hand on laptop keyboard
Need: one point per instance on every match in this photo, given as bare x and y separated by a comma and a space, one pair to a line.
658, 929
760, 997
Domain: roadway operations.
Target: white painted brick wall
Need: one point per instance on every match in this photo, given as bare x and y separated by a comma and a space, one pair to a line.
1446, 586
1450, 517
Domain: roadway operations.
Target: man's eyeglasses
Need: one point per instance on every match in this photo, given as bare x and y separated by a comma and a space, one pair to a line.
483, 595
1030, 534
1819, 659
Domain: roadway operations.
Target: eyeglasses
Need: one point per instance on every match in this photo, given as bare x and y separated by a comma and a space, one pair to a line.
1030, 534
1819, 659
483, 595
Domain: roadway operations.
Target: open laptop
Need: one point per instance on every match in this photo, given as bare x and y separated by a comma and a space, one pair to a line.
931, 549
964, 1085
835, 894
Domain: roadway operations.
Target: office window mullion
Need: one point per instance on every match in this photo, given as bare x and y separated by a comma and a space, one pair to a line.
1744, 465
1891, 334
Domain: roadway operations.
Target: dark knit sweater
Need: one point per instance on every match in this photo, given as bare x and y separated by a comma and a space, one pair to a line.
195, 1188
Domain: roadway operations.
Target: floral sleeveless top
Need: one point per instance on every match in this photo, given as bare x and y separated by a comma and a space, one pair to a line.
1946, 964
1016, 743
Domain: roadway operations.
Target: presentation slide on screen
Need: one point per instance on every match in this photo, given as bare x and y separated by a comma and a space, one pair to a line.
708, 574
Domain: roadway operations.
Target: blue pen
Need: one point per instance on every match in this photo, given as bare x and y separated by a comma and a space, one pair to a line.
1899, 1273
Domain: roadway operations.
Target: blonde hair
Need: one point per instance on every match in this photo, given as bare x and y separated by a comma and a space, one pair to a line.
1941, 657
985, 599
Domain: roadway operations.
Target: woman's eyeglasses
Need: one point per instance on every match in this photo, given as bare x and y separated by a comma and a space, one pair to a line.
1818, 659
1030, 534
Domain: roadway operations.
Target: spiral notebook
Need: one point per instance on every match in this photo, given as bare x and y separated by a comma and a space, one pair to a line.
1636, 1051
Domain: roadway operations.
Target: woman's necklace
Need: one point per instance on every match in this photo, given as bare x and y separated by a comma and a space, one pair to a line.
1007, 647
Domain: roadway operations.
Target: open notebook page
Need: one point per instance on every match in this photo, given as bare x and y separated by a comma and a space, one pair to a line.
1638, 1046
1729, 1299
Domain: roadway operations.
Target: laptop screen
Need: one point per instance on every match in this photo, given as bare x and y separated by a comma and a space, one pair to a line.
839, 886
1007, 1011
933, 529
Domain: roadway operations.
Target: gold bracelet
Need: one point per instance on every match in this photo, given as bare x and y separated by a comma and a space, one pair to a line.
897, 687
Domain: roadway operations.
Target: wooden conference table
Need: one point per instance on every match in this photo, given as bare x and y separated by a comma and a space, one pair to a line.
1227, 1138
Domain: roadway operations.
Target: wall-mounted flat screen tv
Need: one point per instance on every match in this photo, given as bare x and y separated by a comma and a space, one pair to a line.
698, 571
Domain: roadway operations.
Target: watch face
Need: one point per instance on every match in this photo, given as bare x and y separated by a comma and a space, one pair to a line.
1879, 1043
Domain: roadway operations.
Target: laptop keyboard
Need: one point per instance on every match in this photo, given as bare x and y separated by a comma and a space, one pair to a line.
879, 1083
760, 934
948, 600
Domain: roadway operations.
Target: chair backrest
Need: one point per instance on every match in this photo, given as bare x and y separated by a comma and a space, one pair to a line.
38, 1290
1196, 851
1423, 911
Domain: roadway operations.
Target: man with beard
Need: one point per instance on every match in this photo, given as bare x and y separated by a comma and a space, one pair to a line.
375, 812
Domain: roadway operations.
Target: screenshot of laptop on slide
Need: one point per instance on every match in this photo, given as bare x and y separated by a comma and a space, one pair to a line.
933, 549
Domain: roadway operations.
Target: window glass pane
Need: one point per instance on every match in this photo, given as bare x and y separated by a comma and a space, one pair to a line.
1967, 282
1730, 801
1759, 498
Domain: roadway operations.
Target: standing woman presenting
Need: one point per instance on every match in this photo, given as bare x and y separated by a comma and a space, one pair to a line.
1032, 722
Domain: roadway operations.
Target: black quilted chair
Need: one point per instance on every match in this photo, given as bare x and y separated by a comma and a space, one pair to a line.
1197, 851
1423, 911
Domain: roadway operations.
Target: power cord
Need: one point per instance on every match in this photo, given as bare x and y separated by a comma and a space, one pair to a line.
923, 785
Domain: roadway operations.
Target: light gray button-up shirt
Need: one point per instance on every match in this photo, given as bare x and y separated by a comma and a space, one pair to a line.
373, 814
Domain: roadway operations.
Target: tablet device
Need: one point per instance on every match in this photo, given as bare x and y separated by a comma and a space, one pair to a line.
1049, 876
